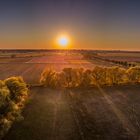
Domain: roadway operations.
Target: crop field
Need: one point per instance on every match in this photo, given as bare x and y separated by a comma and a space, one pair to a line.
30, 68
109, 112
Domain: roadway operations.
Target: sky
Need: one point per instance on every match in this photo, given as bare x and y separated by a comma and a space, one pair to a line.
90, 24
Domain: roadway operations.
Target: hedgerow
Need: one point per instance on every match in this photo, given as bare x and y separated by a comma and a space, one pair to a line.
79, 77
13, 94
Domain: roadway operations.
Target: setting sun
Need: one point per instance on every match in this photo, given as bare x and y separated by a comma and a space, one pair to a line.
63, 41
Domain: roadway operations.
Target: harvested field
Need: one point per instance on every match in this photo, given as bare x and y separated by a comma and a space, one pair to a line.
87, 114
109, 113
31, 68
122, 56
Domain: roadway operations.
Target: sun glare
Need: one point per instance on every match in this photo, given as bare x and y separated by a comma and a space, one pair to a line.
63, 41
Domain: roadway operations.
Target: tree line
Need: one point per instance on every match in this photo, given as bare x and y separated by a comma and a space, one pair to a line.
118, 62
79, 77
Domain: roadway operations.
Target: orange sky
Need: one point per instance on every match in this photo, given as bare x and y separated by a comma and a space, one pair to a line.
90, 24
98, 41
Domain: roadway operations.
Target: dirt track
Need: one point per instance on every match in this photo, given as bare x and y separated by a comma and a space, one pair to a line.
80, 115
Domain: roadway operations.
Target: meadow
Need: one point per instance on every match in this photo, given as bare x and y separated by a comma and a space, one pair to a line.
76, 95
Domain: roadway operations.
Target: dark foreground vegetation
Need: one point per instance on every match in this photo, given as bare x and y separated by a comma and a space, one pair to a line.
99, 76
13, 94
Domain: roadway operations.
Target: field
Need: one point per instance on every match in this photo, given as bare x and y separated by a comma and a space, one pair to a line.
122, 56
112, 113
30, 68
107, 113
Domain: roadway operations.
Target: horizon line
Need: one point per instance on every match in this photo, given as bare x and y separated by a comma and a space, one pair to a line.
37, 49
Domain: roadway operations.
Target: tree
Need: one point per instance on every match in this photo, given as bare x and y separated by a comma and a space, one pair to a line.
49, 78
86, 80
13, 55
17, 87
133, 74
71, 77
115, 75
99, 75
4, 96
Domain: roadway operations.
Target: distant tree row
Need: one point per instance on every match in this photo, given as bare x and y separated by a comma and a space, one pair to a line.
13, 94
118, 62
79, 77
123, 63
